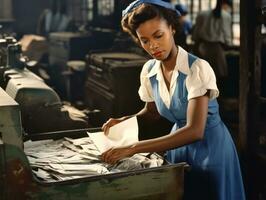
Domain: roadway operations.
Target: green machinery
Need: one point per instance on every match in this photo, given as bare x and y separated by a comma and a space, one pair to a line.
17, 180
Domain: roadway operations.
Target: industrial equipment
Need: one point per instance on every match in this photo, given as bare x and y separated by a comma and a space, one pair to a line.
25, 99
17, 180
38, 102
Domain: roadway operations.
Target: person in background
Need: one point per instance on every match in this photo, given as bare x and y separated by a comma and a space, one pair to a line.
181, 39
182, 88
35, 46
54, 19
212, 33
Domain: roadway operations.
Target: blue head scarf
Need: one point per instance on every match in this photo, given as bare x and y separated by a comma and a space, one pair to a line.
136, 3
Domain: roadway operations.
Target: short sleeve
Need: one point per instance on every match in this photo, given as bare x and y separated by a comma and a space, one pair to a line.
145, 90
201, 79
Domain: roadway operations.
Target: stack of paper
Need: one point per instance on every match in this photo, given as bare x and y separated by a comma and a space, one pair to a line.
68, 158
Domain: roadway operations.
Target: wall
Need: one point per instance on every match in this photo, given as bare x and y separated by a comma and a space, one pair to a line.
26, 14
5, 9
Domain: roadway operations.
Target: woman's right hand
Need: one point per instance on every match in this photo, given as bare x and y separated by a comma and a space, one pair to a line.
110, 122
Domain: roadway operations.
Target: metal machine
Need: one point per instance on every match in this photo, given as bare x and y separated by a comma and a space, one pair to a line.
38, 102
18, 182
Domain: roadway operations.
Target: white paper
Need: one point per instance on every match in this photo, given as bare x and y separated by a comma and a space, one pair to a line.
123, 133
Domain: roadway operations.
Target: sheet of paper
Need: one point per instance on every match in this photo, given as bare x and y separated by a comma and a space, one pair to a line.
124, 133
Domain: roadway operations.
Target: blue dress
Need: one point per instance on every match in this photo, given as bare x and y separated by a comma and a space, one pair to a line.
215, 171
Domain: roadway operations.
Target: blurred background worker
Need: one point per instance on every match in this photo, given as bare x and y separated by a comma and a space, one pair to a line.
54, 19
212, 33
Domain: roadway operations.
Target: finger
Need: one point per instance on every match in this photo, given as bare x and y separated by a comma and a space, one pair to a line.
106, 123
114, 156
103, 126
105, 156
112, 162
111, 158
106, 130
106, 126
115, 159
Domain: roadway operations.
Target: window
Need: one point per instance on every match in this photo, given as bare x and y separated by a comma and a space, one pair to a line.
105, 7
195, 6
95, 11
81, 11
236, 22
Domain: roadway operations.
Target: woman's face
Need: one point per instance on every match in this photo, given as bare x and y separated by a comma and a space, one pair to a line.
156, 37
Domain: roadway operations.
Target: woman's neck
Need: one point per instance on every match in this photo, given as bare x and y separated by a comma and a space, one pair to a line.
169, 63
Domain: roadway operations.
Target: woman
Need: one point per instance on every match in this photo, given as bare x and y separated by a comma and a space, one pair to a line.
182, 88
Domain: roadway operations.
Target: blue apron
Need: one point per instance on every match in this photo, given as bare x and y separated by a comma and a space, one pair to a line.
215, 171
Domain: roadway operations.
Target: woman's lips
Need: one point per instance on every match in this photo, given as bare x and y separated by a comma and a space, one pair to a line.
158, 53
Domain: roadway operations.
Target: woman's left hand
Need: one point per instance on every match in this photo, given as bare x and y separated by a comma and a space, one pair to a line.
115, 154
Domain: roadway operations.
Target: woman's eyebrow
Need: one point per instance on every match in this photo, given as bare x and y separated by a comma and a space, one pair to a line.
153, 34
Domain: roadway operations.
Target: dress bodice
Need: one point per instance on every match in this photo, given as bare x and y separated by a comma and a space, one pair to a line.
177, 111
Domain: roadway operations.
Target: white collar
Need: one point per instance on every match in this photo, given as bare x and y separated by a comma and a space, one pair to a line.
181, 65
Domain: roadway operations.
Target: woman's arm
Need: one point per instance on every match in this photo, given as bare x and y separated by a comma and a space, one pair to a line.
149, 112
193, 130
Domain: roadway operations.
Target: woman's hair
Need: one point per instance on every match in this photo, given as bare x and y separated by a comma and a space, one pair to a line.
218, 8
145, 12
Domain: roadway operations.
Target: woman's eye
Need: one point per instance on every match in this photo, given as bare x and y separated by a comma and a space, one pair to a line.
144, 41
158, 36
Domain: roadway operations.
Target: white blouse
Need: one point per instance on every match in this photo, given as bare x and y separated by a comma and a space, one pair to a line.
200, 78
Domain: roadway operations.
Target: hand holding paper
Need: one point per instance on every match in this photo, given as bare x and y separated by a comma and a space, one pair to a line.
124, 133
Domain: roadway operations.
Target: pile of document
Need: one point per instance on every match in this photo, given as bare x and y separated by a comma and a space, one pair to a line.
67, 158
64, 159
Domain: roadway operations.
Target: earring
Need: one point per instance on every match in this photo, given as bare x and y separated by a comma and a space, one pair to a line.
173, 32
